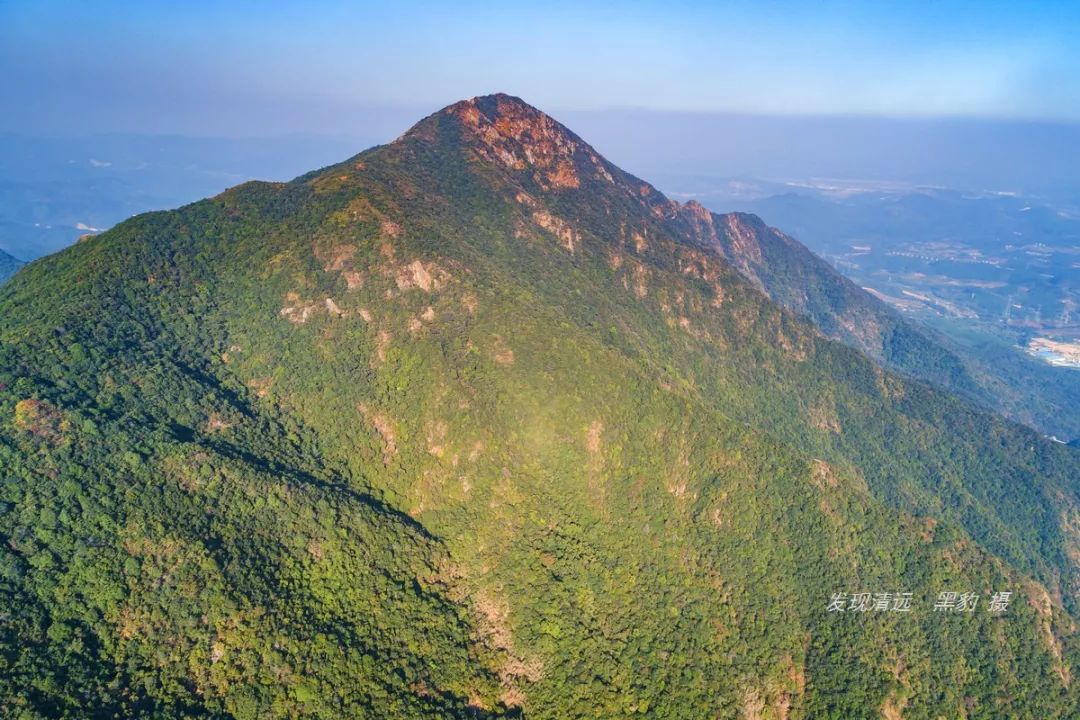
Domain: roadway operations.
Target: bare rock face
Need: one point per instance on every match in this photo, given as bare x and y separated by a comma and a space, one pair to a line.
521, 137
743, 236
699, 222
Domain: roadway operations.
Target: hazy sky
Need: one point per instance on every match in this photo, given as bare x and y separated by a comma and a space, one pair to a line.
267, 67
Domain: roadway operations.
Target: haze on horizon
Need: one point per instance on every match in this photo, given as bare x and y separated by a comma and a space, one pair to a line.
980, 96
258, 68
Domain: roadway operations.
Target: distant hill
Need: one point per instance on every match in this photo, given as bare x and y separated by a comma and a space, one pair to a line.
8, 266
475, 424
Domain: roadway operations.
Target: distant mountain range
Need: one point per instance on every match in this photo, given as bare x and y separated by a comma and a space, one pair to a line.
999, 259
476, 424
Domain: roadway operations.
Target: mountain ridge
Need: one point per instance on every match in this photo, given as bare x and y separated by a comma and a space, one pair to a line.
792, 275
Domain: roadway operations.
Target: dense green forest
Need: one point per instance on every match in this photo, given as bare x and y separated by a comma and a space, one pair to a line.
473, 425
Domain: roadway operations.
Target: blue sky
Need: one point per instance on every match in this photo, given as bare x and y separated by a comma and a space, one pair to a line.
316, 67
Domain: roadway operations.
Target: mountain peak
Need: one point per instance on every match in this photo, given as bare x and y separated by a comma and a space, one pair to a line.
510, 132
508, 116
498, 105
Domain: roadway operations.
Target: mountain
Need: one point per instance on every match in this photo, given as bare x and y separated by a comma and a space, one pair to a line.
8, 266
476, 424
988, 373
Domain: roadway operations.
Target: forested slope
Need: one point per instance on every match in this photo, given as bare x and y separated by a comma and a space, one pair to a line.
471, 424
